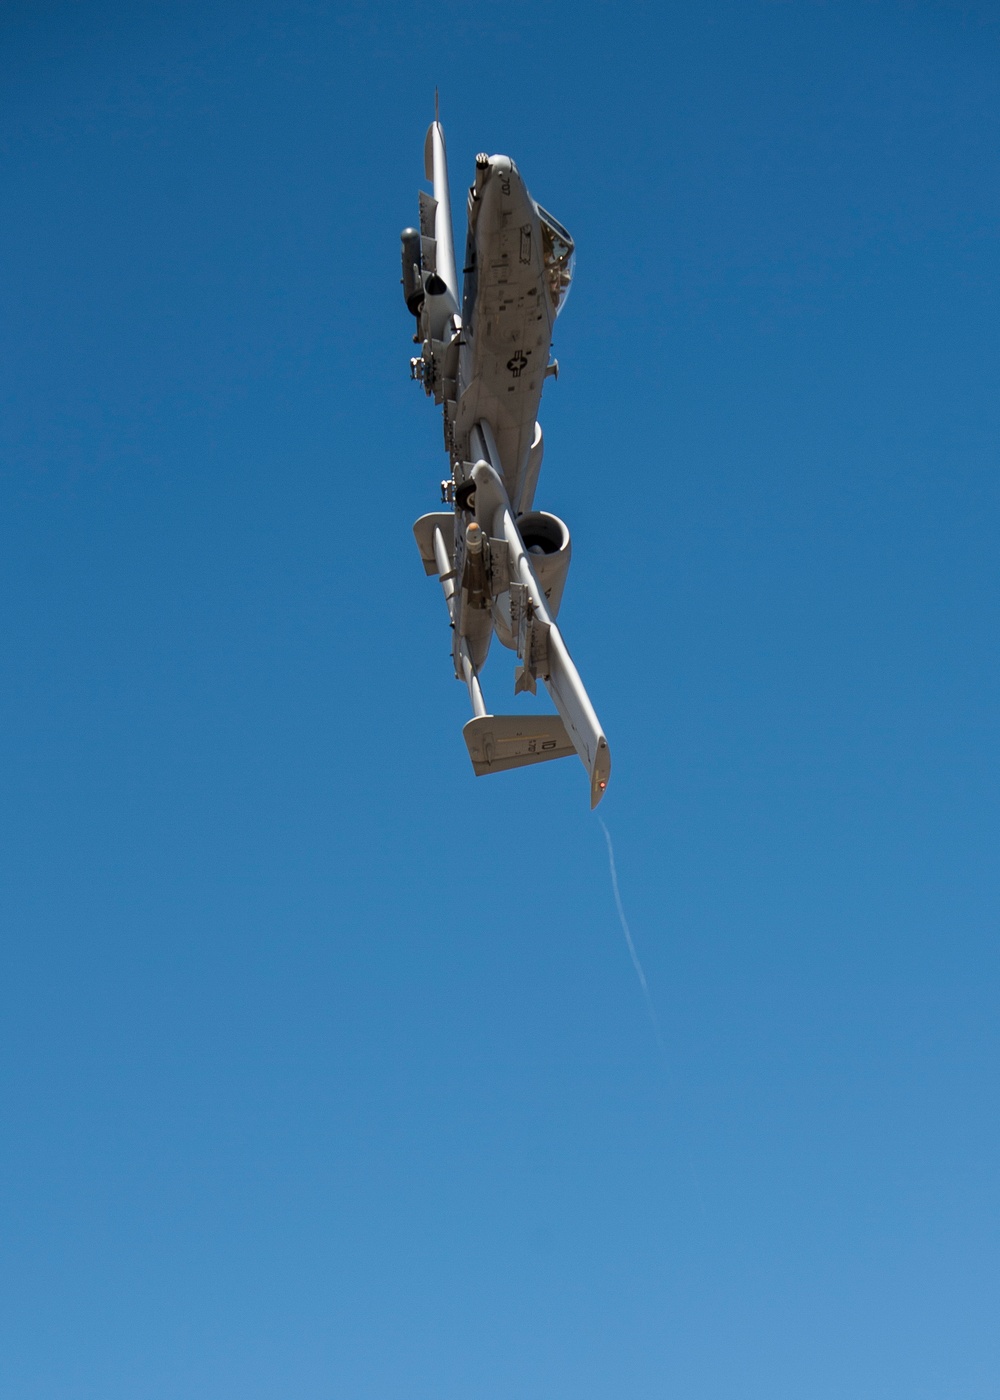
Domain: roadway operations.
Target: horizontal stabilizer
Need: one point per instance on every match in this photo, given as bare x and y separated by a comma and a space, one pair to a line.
423, 532
498, 742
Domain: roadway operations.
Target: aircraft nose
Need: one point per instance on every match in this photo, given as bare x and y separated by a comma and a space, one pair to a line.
499, 183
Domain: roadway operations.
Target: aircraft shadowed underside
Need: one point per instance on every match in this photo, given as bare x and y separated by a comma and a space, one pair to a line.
502, 564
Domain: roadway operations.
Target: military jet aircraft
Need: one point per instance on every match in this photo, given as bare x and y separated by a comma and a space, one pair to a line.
502, 564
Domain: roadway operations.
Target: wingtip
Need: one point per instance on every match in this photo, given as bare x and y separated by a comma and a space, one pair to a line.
601, 773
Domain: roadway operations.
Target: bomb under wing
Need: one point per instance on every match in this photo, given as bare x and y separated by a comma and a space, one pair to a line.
501, 563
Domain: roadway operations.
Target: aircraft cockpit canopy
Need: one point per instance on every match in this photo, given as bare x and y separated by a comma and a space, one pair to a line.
559, 255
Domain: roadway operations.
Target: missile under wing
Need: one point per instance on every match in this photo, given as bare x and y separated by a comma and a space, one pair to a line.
484, 358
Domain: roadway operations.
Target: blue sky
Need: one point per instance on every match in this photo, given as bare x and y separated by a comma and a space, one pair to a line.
324, 1069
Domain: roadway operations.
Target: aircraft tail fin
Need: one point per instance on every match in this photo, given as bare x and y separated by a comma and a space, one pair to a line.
499, 742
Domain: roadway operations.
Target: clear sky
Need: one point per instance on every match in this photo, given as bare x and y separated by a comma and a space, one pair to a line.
325, 1071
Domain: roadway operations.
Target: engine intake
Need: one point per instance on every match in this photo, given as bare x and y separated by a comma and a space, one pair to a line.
547, 542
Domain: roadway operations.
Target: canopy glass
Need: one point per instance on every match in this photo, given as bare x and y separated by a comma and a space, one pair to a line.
559, 255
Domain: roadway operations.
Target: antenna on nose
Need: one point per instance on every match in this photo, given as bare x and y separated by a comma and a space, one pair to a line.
437, 113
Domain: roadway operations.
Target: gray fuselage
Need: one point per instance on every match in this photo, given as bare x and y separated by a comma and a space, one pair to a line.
507, 319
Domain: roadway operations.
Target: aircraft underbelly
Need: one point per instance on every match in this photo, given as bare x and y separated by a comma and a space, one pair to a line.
509, 362
512, 324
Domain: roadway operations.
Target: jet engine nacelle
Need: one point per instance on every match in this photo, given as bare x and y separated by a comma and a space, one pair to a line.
547, 542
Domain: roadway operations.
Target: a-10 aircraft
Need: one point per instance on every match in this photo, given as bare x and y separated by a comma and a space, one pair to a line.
502, 564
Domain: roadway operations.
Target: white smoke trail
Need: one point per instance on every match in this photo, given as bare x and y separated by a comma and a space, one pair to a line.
628, 939
695, 1178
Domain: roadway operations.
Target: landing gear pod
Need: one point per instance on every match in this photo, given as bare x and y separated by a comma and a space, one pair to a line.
413, 282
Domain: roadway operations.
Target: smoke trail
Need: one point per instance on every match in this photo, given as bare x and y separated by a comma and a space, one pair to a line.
695, 1179
628, 939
